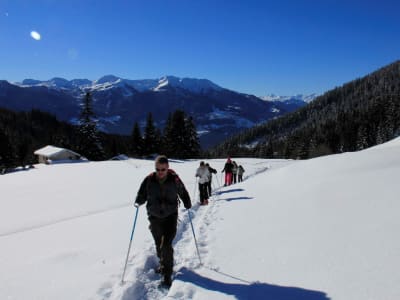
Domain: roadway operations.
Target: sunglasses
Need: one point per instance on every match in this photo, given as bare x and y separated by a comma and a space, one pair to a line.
161, 170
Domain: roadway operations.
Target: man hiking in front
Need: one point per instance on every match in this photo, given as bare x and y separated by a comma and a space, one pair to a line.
160, 190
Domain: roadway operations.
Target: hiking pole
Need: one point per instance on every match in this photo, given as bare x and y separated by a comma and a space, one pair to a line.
217, 194
195, 188
219, 182
215, 190
130, 243
194, 235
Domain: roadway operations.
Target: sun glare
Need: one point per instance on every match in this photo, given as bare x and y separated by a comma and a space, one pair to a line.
35, 35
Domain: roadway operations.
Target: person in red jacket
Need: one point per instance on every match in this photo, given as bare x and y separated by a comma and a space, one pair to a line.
228, 171
162, 190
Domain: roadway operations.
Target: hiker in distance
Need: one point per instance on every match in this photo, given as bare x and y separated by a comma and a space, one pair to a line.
228, 172
204, 176
211, 170
240, 173
234, 171
162, 190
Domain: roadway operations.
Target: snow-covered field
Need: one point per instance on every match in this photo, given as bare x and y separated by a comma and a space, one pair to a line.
325, 228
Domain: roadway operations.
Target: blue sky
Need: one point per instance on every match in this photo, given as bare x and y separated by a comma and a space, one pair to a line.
258, 47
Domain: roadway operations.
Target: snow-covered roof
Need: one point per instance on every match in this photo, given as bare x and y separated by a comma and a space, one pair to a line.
52, 150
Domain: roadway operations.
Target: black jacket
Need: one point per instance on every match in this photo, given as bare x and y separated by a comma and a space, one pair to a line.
162, 198
212, 170
228, 167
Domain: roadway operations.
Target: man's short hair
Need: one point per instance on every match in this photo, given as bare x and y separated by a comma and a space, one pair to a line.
162, 159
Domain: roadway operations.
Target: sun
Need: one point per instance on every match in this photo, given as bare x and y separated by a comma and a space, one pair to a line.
35, 35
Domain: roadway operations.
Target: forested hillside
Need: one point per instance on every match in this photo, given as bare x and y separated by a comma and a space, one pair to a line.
24, 132
358, 115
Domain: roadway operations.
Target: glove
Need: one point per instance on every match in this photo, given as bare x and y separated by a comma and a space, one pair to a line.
188, 205
136, 205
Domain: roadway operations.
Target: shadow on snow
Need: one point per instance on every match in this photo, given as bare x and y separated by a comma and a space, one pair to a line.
248, 290
229, 191
237, 198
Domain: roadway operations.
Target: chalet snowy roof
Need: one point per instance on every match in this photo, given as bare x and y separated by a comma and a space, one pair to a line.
52, 150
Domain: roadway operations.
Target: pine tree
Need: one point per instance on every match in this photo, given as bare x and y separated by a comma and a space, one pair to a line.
7, 158
168, 137
380, 135
178, 128
269, 150
150, 137
158, 141
25, 151
90, 144
136, 141
362, 138
192, 140
180, 138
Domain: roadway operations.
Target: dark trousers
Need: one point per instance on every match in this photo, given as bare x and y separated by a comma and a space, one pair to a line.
203, 192
240, 178
164, 231
209, 188
234, 175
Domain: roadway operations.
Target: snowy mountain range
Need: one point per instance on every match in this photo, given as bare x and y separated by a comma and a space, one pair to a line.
111, 81
119, 102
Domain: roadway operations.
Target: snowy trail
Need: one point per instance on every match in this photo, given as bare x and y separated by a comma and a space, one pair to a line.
146, 281
141, 281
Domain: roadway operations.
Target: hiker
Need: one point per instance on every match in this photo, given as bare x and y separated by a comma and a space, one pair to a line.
234, 171
204, 176
240, 173
211, 170
161, 190
228, 172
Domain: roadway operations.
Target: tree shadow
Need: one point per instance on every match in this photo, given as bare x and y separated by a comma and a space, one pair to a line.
250, 290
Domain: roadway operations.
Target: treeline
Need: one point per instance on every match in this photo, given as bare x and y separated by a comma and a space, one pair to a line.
179, 138
358, 115
21, 133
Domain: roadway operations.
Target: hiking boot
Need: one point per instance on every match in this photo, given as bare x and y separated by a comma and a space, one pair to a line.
206, 202
167, 281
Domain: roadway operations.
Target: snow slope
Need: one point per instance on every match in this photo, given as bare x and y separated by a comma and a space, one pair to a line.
324, 228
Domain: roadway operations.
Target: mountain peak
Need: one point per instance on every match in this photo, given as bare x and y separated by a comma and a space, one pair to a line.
107, 78
59, 82
30, 81
191, 84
